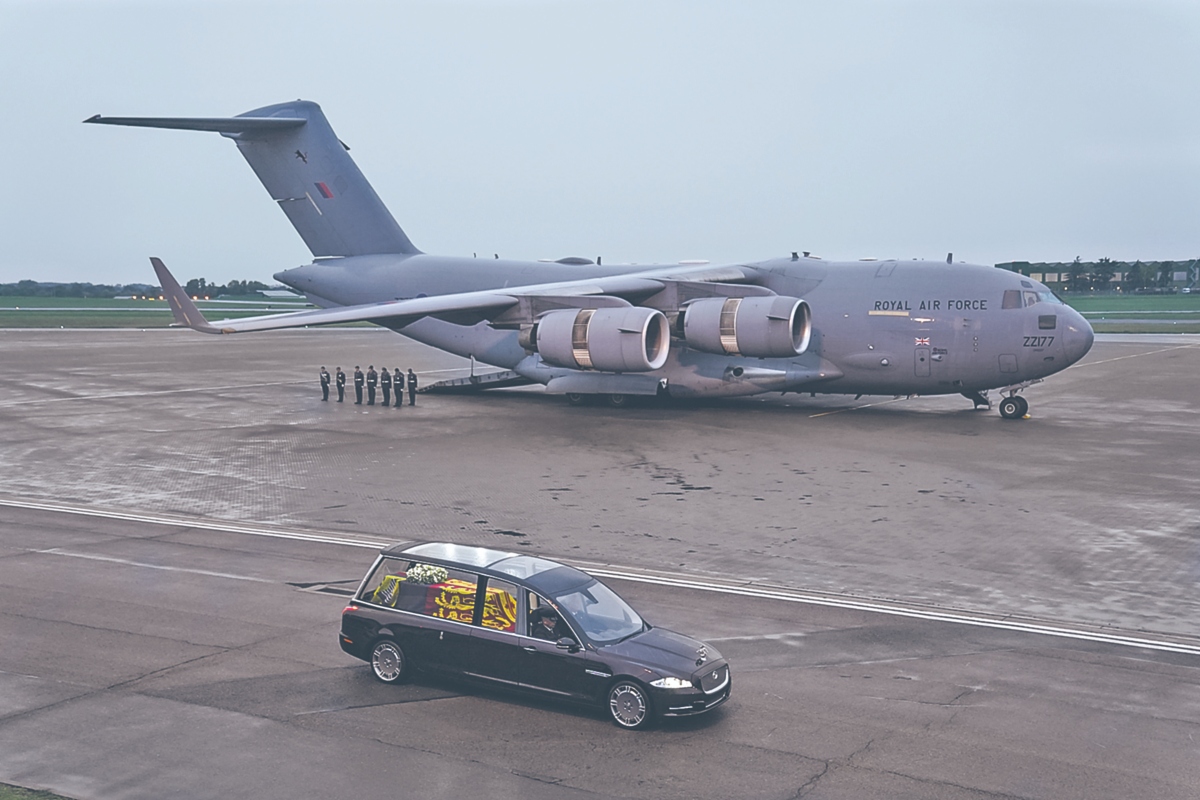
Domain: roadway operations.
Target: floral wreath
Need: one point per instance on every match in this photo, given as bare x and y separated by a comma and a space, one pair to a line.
427, 574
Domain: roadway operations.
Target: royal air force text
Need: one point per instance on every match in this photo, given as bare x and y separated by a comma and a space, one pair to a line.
931, 305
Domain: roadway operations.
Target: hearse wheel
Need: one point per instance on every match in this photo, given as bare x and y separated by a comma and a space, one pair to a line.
629, 705
388, 662
618, 400
1013, 407
576, 398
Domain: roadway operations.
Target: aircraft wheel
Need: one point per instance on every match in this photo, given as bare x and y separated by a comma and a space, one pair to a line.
618, 400
1010, 408
576, 398
1024, 409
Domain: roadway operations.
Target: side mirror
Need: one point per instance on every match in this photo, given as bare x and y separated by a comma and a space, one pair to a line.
568, 644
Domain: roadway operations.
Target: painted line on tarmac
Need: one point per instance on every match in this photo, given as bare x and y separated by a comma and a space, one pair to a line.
856, 408
37, 401
1133, 355
665, 579
899, 610
55, 551
206, 524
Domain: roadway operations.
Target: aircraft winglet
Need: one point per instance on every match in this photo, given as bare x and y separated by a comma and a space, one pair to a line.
182, 307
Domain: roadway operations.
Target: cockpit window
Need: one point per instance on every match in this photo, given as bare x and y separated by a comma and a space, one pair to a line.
1016, 298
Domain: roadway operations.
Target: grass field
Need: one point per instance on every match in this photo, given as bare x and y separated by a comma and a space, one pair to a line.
17, 793
1141, 313
1125, 303
1172, 313
94, 312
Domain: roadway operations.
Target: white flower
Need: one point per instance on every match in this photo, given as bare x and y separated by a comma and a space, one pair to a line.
426, 573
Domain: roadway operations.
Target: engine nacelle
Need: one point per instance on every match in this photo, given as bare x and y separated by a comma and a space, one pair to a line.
622, 339
761, 327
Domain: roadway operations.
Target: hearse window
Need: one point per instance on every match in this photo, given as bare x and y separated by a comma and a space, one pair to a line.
524, 566
383, 587
500, 607
538, 607
421, 588
1012, 299
603, 615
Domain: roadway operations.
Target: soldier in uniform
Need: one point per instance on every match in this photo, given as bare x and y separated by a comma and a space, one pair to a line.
385, 383
358, 384
324, 384
341, 384
372, 382
412, 388
398, 382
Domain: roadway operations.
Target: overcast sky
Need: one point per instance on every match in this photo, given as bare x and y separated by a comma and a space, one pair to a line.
647, 131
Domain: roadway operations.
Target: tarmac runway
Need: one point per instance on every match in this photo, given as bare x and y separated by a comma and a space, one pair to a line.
160, 644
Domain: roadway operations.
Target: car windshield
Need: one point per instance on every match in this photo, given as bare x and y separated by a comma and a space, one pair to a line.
603, 616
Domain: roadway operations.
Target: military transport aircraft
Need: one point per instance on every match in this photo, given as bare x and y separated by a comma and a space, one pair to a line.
582, 328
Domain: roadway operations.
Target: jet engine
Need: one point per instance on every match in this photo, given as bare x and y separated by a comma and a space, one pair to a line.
761, 327
620, 339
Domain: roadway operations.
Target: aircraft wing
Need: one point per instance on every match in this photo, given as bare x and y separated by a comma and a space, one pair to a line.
463, 307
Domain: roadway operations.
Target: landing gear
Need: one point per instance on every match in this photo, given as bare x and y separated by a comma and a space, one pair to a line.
581, 399
978, 398
1014, 407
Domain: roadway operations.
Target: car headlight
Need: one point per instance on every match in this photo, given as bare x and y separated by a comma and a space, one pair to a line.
672, 683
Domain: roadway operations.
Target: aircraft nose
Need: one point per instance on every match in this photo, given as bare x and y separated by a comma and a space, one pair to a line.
1077, 336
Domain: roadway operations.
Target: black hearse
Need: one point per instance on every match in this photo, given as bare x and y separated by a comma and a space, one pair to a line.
527, 623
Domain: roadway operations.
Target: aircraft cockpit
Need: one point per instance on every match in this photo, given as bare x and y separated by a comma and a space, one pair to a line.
1023, 298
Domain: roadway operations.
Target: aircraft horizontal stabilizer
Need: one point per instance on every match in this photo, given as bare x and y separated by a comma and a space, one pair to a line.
228, 125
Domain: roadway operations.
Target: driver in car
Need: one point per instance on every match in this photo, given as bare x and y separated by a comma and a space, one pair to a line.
548, 626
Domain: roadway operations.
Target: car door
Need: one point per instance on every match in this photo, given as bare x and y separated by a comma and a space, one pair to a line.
437, 606
494, 652
545, 667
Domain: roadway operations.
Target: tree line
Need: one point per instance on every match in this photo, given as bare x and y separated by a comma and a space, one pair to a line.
1136, 276
197, 287
30, 288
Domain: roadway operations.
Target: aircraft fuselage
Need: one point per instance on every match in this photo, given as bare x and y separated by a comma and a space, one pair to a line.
878, 327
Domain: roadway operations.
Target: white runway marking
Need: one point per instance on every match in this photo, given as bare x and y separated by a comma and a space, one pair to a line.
205, 524
1131, 355
57, 552
666, 579
37, 401
900, 610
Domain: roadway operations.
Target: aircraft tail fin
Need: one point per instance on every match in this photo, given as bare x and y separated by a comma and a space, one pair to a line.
308, 172
185, 311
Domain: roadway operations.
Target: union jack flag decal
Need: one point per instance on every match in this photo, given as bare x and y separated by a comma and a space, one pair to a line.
922, 342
